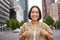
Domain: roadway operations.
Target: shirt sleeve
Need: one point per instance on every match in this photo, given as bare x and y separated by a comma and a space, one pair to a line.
22, 29
48, 29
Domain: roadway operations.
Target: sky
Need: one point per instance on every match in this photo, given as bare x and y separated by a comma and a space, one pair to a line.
55, 0
35, 2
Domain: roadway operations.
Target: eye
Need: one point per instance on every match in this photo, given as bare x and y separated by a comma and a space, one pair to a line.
32, 12
37, 12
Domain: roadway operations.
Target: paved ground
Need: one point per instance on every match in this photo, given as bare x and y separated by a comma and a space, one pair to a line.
14, 36
56, 34
8, 36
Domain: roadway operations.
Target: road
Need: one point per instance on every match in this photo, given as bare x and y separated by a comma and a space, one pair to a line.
56, 34
14, 36
8, 36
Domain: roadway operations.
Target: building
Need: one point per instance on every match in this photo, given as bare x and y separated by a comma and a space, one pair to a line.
24, 6
55, 10
4, 11
58, 9
16, 11
10, 9
46, 4
19, 11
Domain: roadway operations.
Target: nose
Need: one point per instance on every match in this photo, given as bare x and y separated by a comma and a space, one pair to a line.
35, 13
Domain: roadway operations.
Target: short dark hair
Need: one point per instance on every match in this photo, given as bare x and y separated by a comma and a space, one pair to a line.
38, 10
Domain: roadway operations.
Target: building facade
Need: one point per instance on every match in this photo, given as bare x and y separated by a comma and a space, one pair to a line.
55, 10
24, 6
4, 11
19, 11
16, 11
9, 9
46, 5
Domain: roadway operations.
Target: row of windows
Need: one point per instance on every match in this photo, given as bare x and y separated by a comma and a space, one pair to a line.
4, 5
6, 1
2, 13
2, 18
1, 8
59, 15
4, 10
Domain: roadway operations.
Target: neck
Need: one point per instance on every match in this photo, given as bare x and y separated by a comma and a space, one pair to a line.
35, 22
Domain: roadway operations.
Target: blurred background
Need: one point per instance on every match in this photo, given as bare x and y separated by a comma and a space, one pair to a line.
14, 13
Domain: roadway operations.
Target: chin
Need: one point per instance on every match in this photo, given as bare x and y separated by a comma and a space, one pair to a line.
35, 20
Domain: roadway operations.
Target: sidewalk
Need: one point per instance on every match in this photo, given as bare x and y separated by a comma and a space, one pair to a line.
4, 32
56, 30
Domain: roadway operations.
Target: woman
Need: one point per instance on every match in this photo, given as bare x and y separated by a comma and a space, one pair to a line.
35, 30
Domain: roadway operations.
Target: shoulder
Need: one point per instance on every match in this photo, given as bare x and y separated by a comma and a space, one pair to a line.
26, 23
41, 23
44, 25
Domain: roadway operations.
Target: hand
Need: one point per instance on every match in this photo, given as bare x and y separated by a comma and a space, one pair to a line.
25, 34
44, 32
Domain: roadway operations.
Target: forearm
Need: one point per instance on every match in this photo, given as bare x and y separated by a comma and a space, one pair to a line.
50, 37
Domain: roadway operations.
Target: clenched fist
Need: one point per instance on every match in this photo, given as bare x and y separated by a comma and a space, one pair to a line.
25, 35
44, 32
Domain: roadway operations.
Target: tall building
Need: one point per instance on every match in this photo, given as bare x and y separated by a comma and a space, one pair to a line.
4, 11
59, 10
55, 10
46, 4
19, 10
12, 11
24, 6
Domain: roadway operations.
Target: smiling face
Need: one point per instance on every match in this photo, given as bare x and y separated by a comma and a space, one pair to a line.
34, 14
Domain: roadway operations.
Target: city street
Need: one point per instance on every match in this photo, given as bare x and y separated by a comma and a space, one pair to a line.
56, 34
8, 36
14, 36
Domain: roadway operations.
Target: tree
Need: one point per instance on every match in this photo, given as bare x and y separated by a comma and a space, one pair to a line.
8, 23
49, 21
13, 23
57, 24
21, 23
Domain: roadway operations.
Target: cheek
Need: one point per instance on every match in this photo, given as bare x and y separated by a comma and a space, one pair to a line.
31, 15
37, 15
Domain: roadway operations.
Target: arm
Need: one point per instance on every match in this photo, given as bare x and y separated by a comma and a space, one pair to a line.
24, 33
47, 32
21, 37
49, 36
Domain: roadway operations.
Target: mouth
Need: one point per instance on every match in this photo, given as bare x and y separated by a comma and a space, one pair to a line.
35, 16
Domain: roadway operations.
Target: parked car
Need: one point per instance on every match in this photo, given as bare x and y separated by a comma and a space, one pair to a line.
16, 30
